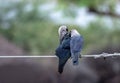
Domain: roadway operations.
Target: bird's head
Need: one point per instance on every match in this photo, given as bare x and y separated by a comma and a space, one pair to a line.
74, 32
62, 31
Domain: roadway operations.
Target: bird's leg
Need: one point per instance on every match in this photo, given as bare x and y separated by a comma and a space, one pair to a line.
80, 56
72, 55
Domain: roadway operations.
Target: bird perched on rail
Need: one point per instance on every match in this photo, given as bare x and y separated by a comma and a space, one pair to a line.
76, 44
70, 45
63, 50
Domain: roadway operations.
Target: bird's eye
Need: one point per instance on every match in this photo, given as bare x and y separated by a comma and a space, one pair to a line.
66, 29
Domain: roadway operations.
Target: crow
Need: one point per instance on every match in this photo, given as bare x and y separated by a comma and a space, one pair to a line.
76, 44
63, 50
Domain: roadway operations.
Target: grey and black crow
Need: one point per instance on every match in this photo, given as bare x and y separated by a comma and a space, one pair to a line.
63, 50
76, 44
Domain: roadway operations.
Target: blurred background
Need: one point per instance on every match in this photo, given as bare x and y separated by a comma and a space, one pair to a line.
29, 27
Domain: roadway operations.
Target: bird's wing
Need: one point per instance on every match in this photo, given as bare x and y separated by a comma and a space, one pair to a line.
63, 55
66, 42
76, 43
75, 47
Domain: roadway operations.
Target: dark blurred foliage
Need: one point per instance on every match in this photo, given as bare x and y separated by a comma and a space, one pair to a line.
87, 3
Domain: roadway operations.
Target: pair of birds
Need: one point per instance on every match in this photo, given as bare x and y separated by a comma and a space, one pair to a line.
70, 46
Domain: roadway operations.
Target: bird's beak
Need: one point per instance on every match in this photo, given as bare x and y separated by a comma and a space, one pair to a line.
62, 36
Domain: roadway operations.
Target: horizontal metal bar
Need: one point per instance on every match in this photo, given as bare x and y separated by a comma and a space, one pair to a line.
54, 56
27, 56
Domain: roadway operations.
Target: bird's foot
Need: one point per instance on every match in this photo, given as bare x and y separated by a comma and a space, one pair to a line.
75, 62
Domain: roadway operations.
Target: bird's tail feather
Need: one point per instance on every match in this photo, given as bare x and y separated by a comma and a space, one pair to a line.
62, 62
61, 65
